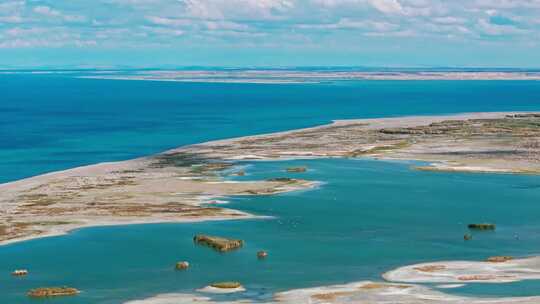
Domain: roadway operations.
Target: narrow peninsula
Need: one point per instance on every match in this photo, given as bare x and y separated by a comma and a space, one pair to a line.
175, 185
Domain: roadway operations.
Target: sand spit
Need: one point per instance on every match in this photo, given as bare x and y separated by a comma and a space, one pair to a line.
468, 271
292, 76
173, 186
360, 292
375, 292
476, 142
146, 190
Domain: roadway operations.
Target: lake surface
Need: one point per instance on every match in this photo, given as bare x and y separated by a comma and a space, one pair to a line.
366, 218
50, 122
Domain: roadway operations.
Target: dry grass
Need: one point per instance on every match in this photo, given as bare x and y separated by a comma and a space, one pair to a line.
52, 292
430, 268
226, 285
380, 285
477, 277
482, 226
330, 296
499, 259
296, 169
218, 243
384, 148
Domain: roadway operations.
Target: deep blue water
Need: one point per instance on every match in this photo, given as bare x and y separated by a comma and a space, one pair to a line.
53, 121
368, 217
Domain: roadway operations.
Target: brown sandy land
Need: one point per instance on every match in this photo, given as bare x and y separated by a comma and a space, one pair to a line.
171, 187
146, 190
468, 271
479, 142
360, 292
276, 77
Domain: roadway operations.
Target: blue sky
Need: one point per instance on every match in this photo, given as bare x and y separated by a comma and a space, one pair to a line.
154, 33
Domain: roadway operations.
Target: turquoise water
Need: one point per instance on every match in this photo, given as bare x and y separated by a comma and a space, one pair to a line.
54, 121
368, 217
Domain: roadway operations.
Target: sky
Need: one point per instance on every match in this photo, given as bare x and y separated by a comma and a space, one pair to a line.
175, 33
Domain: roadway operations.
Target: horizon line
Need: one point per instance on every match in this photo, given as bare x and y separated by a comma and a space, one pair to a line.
263, 67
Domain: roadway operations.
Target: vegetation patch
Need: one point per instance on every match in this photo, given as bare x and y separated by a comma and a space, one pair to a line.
218, 243
52, 292
226, 285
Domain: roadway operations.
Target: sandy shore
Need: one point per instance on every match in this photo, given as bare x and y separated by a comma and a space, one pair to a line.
469, 142
130, 192
402, 286
468, 272
291, 76
173, 186
360, 292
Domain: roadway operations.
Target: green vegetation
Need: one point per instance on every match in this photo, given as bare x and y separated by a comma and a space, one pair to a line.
226, 285
482, 226
52, 292
218, 243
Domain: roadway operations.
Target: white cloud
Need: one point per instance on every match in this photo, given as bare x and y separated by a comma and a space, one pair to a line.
347, 23
291, 22
47, 11
387, 6
113, 33
225, 25
335, 3
46, 43
506, 4
10, 11
404, 33
23, 32
10, 6
186, 24
11, 19
169, 21
31, 37
52, 13
163, 31
233, 9
449, 20
488, 28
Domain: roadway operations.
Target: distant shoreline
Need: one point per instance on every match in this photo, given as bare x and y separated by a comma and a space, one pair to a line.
294, 75
301, 76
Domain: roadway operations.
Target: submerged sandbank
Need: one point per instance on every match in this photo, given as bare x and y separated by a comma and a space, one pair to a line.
468, 272
360, 292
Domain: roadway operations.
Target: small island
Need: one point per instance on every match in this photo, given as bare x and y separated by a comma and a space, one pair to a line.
218, 243
47, 292
223, 287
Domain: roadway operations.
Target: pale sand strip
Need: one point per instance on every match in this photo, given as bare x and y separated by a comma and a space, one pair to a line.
402, 291
481, 150
467, 272
104, 194
172, 186
365, 292
291, 76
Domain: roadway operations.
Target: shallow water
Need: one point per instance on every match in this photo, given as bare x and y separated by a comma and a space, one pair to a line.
368, 217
